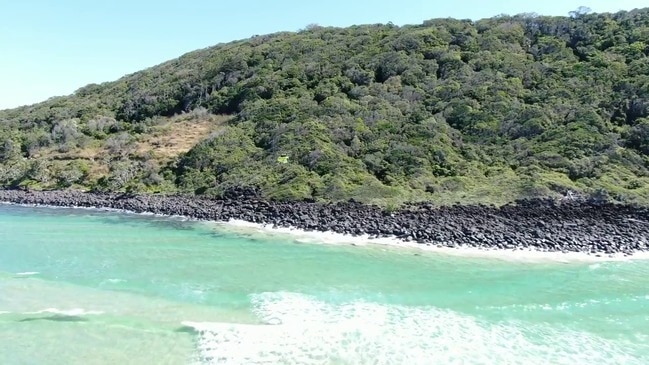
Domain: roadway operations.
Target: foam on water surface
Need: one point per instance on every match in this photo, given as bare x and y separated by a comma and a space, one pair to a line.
251, 295
310, 331
67, 312
115, 281
518, 255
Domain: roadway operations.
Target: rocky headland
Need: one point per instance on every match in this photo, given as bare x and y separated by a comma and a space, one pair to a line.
544, 224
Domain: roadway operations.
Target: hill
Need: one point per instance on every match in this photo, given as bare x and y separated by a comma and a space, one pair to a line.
449, 111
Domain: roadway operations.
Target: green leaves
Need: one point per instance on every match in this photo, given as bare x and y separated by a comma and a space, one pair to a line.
448, 110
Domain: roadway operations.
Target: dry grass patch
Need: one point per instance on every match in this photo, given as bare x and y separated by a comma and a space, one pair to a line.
178, 135
162, 143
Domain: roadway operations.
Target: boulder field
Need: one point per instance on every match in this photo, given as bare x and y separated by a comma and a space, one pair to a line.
543, 224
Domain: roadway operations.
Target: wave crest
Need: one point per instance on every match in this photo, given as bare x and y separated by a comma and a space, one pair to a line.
67, 312
300, 329
27, 273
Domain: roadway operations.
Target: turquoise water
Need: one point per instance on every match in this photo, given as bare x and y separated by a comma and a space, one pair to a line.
95, 287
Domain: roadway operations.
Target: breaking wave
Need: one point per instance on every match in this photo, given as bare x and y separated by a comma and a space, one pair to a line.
67, 312
27, 273
299, 329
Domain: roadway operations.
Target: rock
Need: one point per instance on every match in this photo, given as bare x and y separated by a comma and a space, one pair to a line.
538, 224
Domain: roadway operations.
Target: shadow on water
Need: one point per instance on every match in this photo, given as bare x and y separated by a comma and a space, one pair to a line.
135, 220
185, 329
55, 318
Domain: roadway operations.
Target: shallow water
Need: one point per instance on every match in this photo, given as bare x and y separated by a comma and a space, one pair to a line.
94, 287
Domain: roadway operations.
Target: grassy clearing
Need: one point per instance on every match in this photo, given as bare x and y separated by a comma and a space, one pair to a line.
177, 135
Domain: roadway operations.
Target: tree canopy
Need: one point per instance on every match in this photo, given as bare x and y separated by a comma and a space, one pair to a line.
449, 110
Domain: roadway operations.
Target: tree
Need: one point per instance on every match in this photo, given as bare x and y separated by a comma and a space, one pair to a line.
581, 11
443, 110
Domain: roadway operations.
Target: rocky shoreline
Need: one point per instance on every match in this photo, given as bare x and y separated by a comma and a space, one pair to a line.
544, 225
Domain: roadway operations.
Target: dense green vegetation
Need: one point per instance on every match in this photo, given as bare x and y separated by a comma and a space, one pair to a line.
449, 110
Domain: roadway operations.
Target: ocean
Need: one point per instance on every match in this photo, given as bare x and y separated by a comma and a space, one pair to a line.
86, 286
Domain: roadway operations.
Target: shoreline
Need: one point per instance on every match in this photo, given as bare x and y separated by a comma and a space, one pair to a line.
516, 255
530, 230
385, 243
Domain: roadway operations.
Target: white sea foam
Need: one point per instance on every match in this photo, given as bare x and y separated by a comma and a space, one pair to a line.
309, 331
27, 273
563, 306
525, 255
67, 312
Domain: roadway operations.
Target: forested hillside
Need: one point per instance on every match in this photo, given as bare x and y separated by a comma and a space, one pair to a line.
449, 110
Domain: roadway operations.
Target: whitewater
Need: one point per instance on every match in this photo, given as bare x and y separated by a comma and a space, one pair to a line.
105, 287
